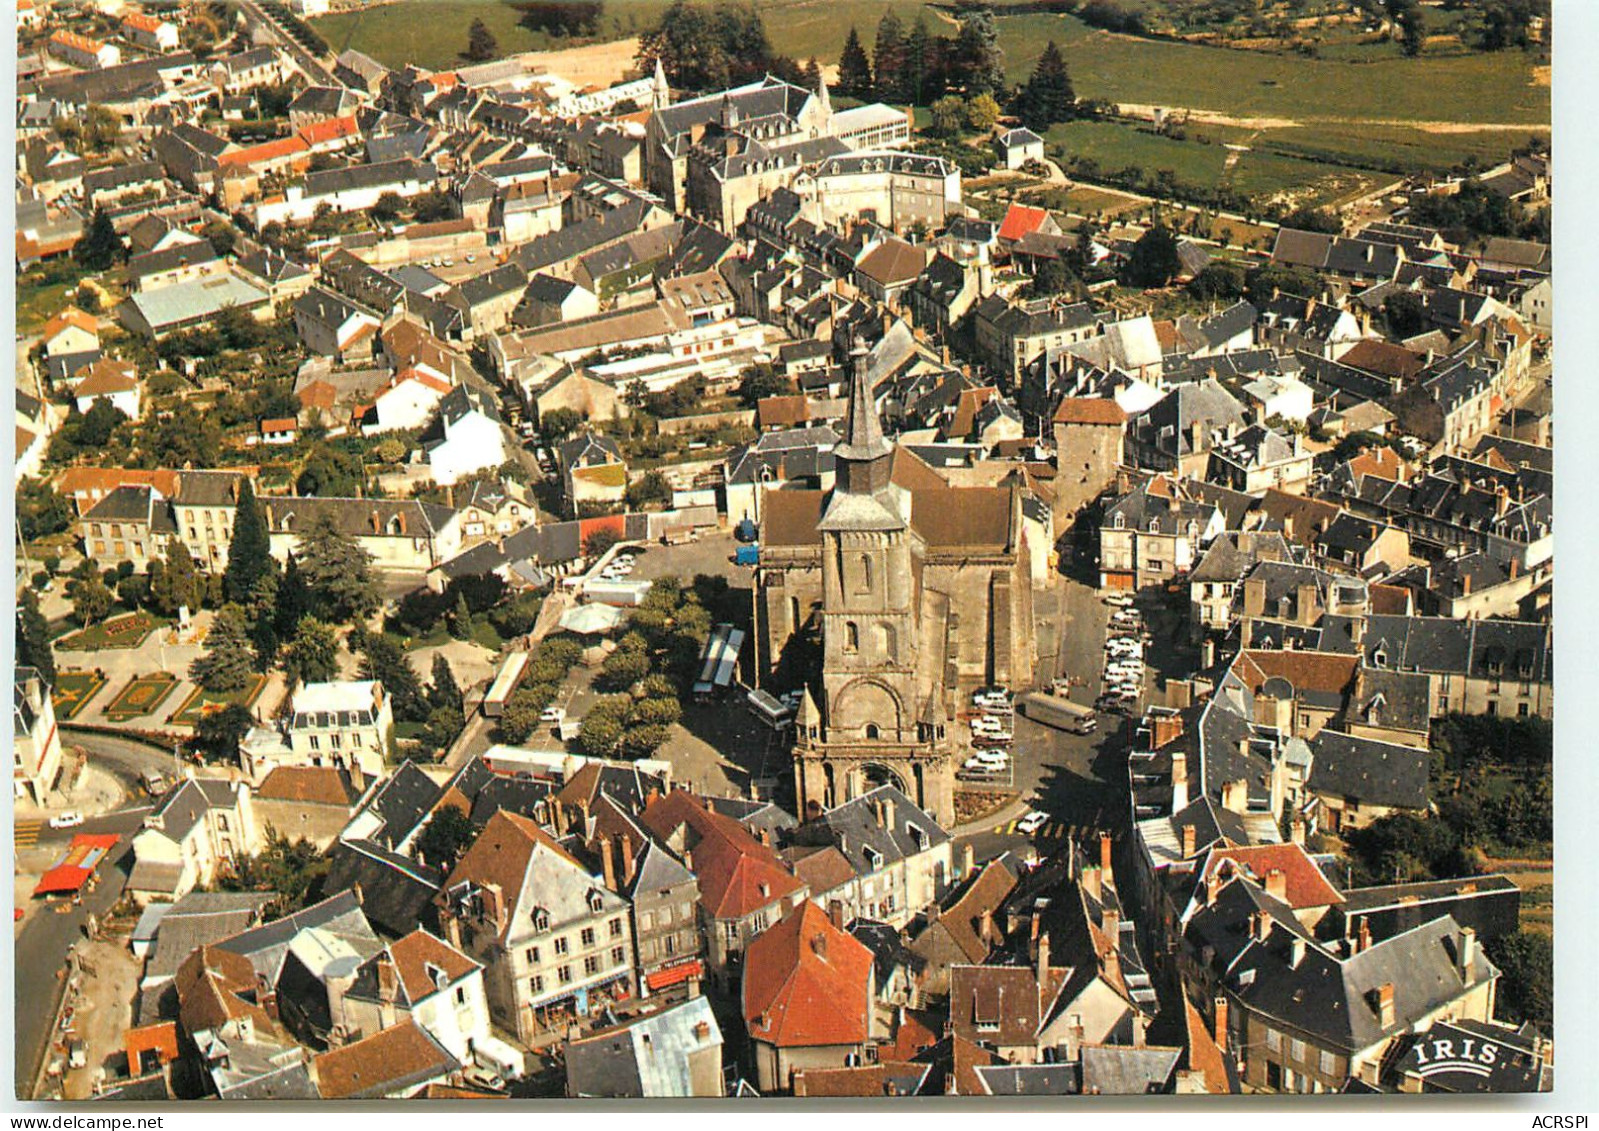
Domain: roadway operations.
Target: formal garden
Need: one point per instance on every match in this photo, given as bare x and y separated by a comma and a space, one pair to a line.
128, 631
141, 696
72, 693
202, 701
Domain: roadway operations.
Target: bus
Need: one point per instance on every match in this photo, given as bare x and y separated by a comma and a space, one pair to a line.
718, 661
768, 708
1059, 712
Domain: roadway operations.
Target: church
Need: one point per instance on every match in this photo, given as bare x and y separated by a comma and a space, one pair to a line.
890, 597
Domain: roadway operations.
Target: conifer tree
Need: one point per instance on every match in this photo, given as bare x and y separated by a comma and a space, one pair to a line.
854, 72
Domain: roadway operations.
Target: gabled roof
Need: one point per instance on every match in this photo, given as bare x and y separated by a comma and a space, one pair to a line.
806, 982
385, 1064
738, 875
1020, 219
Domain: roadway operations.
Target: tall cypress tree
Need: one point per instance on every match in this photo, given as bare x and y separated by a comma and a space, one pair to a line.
854, 72
249, 550
1048, 96
33, 637
888, 57
918, 62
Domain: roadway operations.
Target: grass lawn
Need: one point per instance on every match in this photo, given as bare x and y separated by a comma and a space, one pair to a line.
201, 701
72, 692
36, 304
1476, 87
129, 631
142, 695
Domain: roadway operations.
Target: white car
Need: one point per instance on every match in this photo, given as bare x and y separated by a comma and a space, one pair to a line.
1031, 823
1125, 690
1120, 600
978, 765
986, 724
996, 758
71, 819
555, 715
991, 700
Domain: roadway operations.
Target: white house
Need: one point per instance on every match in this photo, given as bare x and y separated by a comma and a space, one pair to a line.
36, 744
343, 724
149, 32
111, 380
1019, 146
199, 824
468, 437
81, 51
408, 401
425, 979
1537, 305
333, 326
1283, 396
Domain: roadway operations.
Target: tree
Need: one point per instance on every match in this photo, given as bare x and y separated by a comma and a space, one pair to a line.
888, 58
443, 726
176, 583
41, 511
625, 666
99, 247
982, 112
97, 426
91, 599
949, 115
1526, 983
337, 572
1052, 278
760, 382
386, 209
918, 62
330, 473
218, 733
291, 869
1154, 261
262, 610
977, 62
250, 548
1412, 25
1218, 281
481, 45
522, 710
33, 637
1405, 313
292, 601
384, 660
229, 657
312, 654
651, 487
854, 72
443, 691
447, 834
558, 424
1048, 96
599, 541
459, 621
603, 727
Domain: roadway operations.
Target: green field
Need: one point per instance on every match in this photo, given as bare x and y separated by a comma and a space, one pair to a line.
203, 702
142, 695
72, 693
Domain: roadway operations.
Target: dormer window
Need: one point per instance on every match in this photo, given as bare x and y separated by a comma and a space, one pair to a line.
541, 919
595, 901
1118, 522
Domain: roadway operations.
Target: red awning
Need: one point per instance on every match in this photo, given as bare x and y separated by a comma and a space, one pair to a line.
673, 975
73, 870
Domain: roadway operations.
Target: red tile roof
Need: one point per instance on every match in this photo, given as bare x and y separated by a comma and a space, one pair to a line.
738, 874
1089, 410
1329, 672
1204, 1055
1020, 219
71, 316
390, 1057
807, 983
266, 151
141, 22
330, 129
1304, 885
419, 950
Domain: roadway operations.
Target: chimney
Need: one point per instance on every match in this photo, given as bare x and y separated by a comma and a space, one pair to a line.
628, 866
1277, 884
1363, 939
1090, 882
1190, 837
1296, 952
967, 860
1111, 963
1235, 795
608, 862
1110, 921
1296, 830
985, 928
388, 980
1515, 568
1468, 953
1104, 858
688, 860
835, 912
1465, 584
766, 837
1179, 781
1259, 926
1219, 1035
819, 945
1385, 1005
1043, 959
494, 905
887, 813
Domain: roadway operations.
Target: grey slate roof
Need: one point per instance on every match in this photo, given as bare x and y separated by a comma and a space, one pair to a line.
1372, 772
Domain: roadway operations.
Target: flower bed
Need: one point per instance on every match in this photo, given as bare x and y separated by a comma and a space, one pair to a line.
974, 805
142, 695
72, 692
128, 631
202, 702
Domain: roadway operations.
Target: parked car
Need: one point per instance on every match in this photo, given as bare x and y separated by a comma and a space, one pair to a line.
552, 715
998, 758
71, 819
1031, 823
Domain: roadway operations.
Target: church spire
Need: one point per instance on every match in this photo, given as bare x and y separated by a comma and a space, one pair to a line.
863, 456
821, 95
661, 93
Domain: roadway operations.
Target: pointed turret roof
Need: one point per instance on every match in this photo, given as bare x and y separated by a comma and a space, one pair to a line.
863, 432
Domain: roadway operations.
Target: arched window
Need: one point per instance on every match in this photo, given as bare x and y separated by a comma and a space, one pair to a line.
872, 731
852, 636
1117, 522
866, 573
888, 641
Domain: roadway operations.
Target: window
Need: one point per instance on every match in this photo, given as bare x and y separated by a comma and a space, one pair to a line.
532, 956
647, 920
335, 740
1328, 1064
872, 731
616, 928
560, 945
537, 985
564, 974
591, 964
541, 922
1296, 1050
618, 956
316, 743
669, 945
866, 573
852, 637
1522, 710
355, 738
1493, 707
460, 995
1274, 1040
586, 936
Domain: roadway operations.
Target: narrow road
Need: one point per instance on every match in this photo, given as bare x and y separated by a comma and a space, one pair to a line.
312, 67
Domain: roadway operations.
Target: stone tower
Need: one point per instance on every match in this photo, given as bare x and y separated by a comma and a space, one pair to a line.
882, 717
